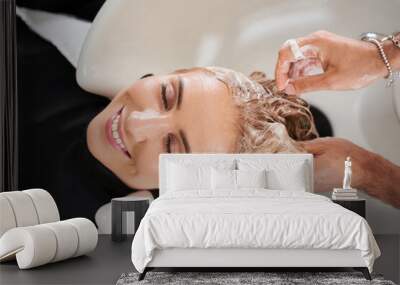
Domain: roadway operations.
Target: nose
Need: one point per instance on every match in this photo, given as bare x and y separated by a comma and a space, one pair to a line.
146, 125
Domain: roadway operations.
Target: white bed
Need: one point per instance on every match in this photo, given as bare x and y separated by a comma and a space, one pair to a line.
249, 227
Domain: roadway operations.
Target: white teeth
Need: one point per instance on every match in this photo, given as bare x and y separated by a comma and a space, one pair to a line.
115, 133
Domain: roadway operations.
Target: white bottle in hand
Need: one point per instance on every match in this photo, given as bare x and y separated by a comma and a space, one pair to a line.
347, 174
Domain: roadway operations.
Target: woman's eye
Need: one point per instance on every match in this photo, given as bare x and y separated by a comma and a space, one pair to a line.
167, 96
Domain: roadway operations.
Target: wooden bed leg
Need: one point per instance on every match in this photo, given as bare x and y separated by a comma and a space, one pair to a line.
364, 271
143, 274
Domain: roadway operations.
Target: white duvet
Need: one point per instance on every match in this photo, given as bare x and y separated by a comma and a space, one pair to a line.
253, 218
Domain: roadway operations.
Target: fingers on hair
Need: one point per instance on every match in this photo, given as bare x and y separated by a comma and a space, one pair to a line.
291, 110
275, 123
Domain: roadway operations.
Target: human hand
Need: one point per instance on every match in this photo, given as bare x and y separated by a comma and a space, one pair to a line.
329, 156
370, 172
347, 64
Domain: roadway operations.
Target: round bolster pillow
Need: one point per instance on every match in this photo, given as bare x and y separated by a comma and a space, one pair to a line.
7, 219
26, 208
45, 205
23, 209
40, 244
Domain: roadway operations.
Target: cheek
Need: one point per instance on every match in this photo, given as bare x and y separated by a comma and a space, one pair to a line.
147, 164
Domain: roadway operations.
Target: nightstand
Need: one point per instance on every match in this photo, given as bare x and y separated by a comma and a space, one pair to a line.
138, 205
357, 206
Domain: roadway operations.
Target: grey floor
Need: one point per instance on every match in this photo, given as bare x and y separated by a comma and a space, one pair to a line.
110, 260
102, 266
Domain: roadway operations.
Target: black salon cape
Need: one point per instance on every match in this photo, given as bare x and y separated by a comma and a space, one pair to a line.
53, 114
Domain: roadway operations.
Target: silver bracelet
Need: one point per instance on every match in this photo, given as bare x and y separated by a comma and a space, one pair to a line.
378, 40
382, 53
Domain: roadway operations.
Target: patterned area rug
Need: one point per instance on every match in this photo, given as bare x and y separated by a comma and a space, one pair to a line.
243, 278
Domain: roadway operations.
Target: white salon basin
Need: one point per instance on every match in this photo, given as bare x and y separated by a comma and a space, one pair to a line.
132, 37
378, 121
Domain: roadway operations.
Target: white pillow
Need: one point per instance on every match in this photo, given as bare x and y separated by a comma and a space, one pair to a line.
187, 177
223, 179
292, 179
236, 179
251, 178
282, 174
185, 173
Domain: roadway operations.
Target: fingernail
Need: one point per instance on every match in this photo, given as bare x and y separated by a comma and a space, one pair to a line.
290, 89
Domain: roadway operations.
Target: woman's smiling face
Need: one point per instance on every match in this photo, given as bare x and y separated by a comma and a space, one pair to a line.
187, 111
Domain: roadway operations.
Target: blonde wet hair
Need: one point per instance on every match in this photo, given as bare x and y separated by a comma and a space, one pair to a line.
270, 121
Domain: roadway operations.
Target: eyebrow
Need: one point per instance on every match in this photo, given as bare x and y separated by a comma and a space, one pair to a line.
180, 92
185, 141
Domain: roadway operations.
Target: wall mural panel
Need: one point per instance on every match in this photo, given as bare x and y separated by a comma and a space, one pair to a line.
104, 91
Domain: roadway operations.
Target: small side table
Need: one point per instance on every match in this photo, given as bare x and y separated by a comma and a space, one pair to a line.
139, 205
357, 206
